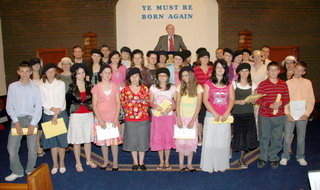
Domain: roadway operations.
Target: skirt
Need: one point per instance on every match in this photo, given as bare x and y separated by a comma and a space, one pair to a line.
244, 132
59, 141
108, 142
216, 146
136, 136
161, 136
186, 146
80, 126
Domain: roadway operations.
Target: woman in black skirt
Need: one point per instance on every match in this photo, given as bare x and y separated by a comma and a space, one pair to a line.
245, 135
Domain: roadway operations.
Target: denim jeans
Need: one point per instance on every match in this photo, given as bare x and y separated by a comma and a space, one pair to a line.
271, 136
14, 143
301, 134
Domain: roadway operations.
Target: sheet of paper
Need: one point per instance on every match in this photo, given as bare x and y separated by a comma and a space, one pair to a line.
297, 109
24, 130
109, 132
229, 120
51, 130
184, 133
314, 181
164, 105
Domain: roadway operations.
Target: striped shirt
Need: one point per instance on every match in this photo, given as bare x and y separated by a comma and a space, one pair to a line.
202, 77
272, 90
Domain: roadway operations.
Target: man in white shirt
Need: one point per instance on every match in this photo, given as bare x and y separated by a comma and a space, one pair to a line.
170, 42
265, 54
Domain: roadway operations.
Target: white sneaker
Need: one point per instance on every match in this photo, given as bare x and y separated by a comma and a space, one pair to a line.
302, 162
283, 161
12, 177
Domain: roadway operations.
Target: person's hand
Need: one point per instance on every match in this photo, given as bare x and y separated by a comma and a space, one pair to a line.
102, 124
241, 102
54, 120
179, 123
158, 108
276, 105
216, 117
290, 118
304, 117
115, 122
56, 111
224, 117
19, 128
191, 124
30, 130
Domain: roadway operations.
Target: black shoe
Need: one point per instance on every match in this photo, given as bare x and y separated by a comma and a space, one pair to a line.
274, 164
261, 163
183, 170
135, 167
115, 169
143, 167
192, 170
104, 168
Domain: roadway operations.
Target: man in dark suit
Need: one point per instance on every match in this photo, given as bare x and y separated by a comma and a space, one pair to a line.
170, 42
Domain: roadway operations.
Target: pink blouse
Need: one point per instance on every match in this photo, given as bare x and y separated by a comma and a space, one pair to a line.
218, 97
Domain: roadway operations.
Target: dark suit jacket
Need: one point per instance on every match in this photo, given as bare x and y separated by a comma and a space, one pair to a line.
163, 43
73, 98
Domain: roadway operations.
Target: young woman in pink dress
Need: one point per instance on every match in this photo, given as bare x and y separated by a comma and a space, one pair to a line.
161, 138
118, 70
106, 107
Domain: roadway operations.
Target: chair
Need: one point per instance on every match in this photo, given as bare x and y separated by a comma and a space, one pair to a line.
39, 179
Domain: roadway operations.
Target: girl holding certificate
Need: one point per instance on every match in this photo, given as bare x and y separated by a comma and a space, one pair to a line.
135, 102
161, 138
244, 128
52, 93
106, 107
79, 100
189, 100
218, 97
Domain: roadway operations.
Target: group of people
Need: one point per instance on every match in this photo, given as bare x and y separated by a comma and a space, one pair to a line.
119, 89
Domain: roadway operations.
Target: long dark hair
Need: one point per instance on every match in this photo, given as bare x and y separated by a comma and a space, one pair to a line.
248, 79
225, 78
111, 55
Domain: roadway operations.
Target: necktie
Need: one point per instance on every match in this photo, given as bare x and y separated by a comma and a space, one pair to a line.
171, 44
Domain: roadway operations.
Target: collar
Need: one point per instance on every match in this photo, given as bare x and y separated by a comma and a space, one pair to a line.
20, 83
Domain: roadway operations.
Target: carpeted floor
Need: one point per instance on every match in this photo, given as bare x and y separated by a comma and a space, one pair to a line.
290, 177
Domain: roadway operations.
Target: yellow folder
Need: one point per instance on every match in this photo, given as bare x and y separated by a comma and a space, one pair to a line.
51, 130
229, 120
24, 130
164, 105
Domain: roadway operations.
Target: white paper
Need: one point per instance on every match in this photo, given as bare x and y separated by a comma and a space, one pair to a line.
297, 109
109, 132
184, 133
314, 181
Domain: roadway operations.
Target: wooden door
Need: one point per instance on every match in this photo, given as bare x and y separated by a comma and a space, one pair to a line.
51, 55
279, 53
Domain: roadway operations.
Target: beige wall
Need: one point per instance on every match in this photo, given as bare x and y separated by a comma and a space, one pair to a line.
3, 90
135, 32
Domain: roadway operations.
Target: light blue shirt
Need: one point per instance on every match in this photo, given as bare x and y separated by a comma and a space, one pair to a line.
170, 67
23, 100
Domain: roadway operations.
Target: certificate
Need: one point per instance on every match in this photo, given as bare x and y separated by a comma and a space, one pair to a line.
50, 130
229, 120
109, 132
184, 133
164, 105
297, 109
24, 131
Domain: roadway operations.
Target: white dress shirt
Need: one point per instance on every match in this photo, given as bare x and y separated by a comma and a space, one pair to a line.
53, 95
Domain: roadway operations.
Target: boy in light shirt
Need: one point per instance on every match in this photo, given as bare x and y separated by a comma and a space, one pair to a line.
300, 89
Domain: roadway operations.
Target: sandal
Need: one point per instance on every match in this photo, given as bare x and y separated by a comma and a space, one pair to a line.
91, 164
79, 168
168, 167
159, 167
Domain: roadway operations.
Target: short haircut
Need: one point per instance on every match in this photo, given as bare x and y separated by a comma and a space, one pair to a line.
273, 63
302, 64
76, 46
24, 64
105, 46
265, 46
